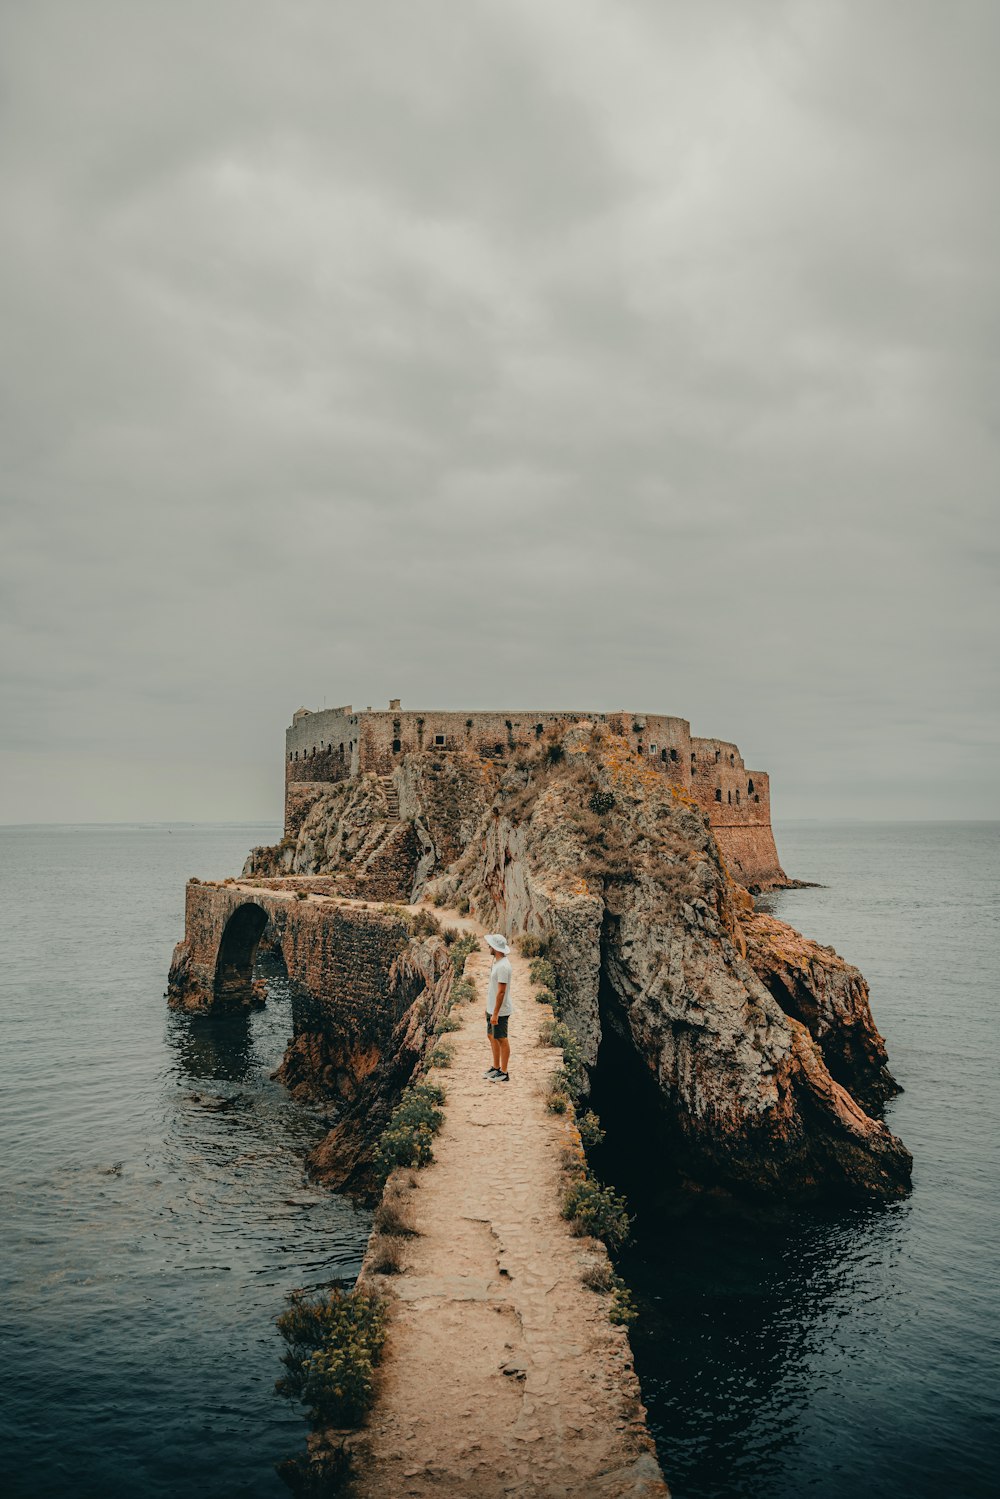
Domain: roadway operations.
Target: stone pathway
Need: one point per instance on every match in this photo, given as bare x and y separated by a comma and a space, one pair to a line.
502, 1374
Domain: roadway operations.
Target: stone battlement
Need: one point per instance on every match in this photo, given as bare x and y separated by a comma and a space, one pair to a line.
337, 744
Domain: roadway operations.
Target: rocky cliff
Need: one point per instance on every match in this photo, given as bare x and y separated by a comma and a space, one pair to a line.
748, 1052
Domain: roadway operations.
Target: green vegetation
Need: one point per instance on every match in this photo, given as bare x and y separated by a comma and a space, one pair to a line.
602, 1278
556, 1033
545, 997
600, 1211
463, 991
450, 1022
591, 1133
334, 1344
406, 1139
601, 802
541, 972
462, 905
462, 950
442, 1056
423, 924
531, 946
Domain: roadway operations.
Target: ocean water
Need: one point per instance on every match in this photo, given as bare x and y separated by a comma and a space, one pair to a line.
858, 1352
154, 1210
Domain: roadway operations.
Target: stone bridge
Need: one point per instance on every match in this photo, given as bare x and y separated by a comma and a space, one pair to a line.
343, 960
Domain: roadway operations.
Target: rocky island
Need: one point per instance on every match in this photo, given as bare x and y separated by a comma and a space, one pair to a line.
633, 850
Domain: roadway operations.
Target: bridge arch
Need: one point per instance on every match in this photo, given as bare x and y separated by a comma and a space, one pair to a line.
237, 950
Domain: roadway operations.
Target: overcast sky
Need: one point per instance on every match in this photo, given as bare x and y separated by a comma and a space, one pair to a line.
498, 353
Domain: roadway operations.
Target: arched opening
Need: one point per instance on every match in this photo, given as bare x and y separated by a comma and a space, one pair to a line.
237, 950
749, 788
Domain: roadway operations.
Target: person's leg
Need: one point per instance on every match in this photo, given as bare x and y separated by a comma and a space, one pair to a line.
494, 1045
504, 1050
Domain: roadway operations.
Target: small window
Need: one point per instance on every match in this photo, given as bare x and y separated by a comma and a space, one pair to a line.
664, 754
675, 756
718, 756
729, 797
396, 746
749, 788
737, 798
341, 751
439, 739
718, 794
652, 749
732, 759
538, 731
756, 797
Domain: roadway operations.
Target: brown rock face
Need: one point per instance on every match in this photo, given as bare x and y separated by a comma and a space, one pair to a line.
659, 954
815, 985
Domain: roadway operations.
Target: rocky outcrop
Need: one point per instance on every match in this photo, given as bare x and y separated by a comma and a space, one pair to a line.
814, 984
654, 943
383, 837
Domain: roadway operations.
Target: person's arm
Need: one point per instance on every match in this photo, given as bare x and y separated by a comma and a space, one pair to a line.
501, 991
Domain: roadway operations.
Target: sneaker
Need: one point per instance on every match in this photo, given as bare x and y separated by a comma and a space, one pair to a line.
501, 1077
493, 1072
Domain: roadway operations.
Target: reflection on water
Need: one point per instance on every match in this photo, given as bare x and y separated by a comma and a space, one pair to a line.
155, 1204
856, 1351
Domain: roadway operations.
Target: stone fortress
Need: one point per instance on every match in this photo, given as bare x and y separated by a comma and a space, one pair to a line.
338, 744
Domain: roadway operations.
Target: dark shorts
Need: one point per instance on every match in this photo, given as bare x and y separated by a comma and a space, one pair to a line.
498, 1031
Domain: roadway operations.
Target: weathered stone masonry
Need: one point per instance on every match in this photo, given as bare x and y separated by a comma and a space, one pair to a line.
338, 743
342, 956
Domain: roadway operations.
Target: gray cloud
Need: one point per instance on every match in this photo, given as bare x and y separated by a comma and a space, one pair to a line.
560, 353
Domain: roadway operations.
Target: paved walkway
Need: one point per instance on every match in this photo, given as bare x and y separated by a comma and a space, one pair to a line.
502, 1374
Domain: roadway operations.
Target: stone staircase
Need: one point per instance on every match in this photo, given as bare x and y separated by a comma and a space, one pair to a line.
391, 796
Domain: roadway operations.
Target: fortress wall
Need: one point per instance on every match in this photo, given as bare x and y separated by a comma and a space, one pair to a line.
326, 747
751, 855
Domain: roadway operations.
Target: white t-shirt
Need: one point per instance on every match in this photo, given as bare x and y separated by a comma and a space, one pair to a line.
499, 974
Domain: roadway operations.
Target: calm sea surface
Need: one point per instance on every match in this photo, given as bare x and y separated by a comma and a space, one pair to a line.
153, 1204
857, 1354
155, 1213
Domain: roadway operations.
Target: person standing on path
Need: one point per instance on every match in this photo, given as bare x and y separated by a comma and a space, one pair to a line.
498, 1008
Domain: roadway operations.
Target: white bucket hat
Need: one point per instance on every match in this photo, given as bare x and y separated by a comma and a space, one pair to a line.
498, 942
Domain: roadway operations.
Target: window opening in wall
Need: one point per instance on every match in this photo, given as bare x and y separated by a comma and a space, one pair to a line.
756, 797
468, 723
732, 759
737, 798
750, 788
396, 746
652, 749
718, 756
729, 797
718, 794
341, 751
675, 756
664, 755
538, 731
439, 739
